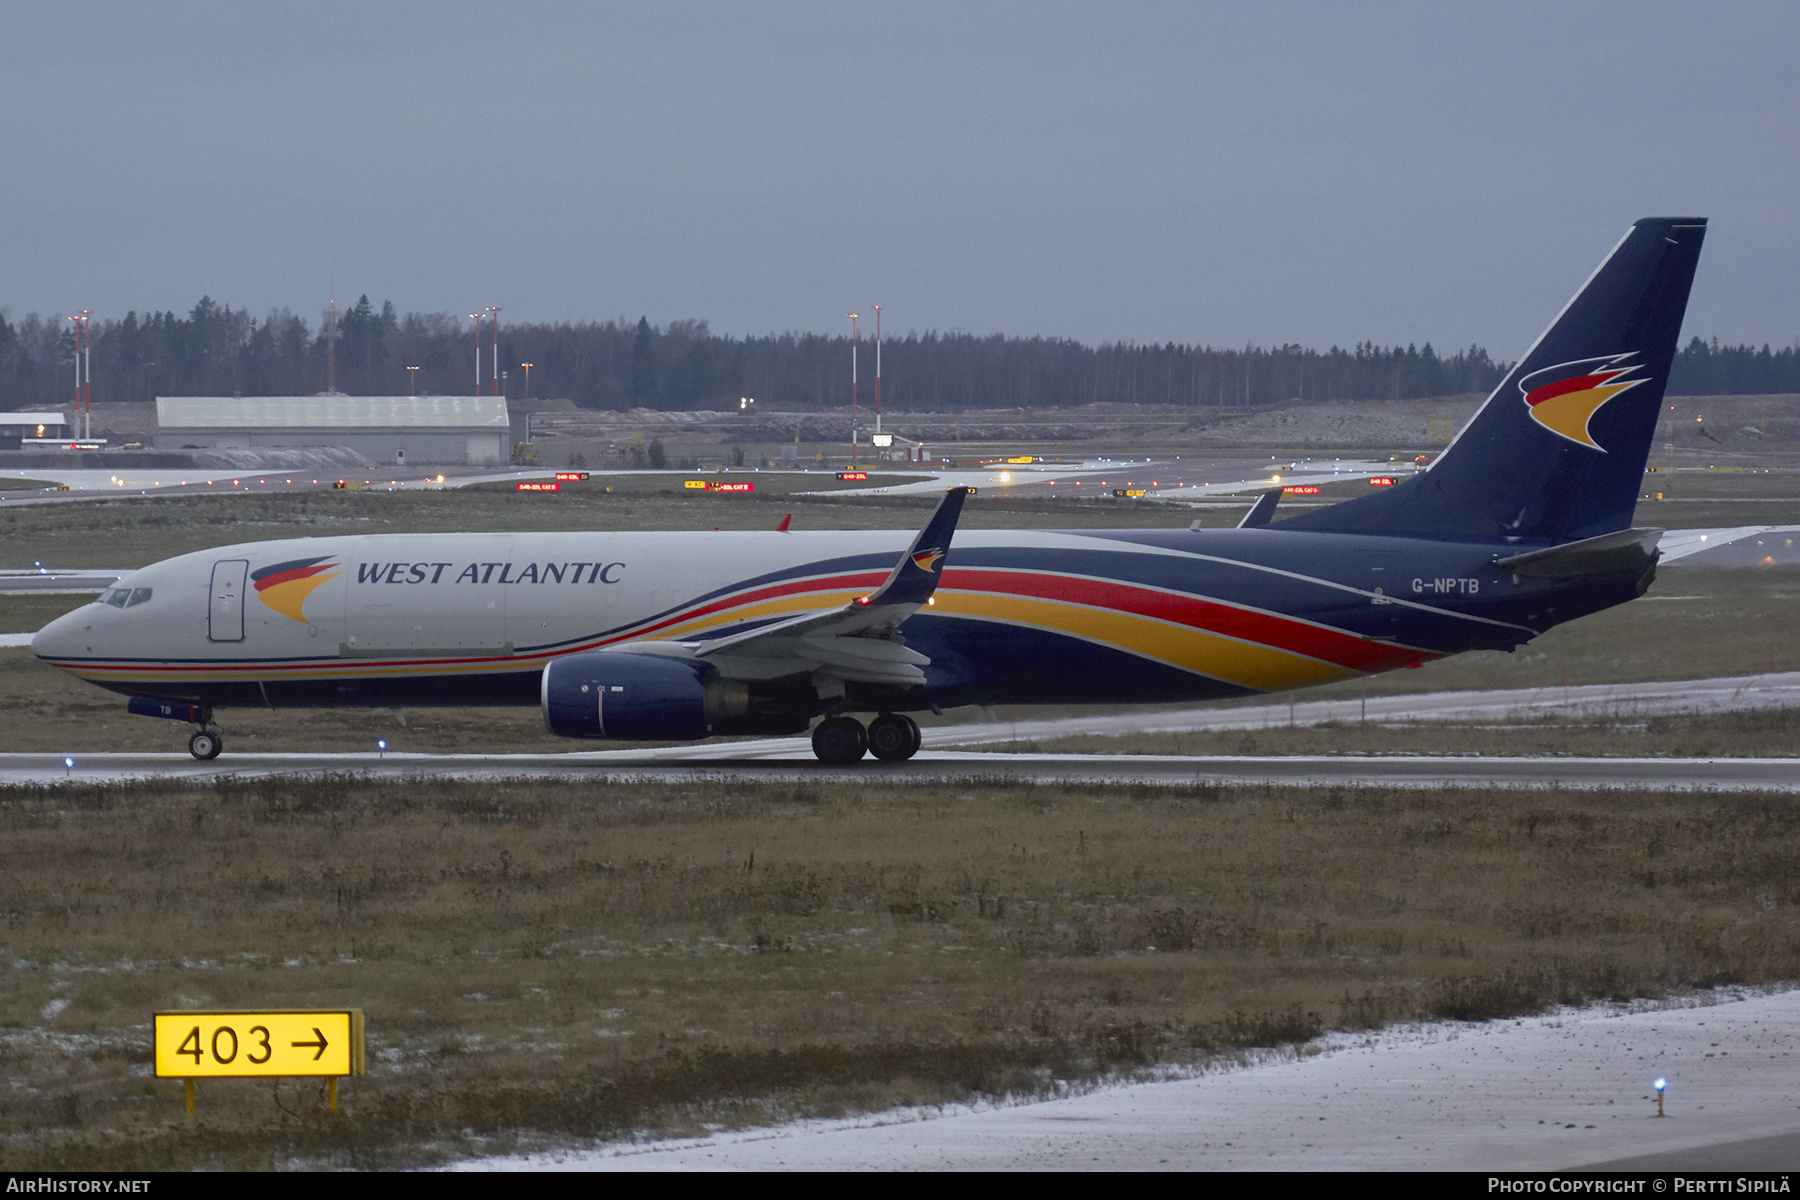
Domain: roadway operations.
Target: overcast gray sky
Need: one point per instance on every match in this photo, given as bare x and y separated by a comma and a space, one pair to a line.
1218, 173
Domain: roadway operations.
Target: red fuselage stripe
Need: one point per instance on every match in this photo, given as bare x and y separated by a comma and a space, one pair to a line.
1328, 645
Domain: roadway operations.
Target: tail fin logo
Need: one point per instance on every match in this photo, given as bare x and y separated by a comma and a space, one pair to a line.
1564, 398
928, 560
284, 587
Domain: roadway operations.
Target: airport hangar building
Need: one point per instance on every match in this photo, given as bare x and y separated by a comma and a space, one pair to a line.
17, 427
383, 429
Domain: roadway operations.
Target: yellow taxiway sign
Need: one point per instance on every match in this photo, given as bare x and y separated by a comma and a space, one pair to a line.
205, 1045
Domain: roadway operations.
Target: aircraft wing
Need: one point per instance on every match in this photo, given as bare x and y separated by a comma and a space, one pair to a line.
859, 642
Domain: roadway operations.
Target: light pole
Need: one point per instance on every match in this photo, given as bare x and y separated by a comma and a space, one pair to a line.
478, 318
495, 309
527, 367
412, 374
878, 368
84, 375
852, 387
77, 413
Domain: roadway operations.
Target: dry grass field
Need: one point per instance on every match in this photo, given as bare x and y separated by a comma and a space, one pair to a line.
1694, 623
1691, 499
556, 962
544, 963
134, 531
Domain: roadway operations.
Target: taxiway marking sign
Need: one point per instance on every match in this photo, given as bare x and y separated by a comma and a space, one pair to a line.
204, 1045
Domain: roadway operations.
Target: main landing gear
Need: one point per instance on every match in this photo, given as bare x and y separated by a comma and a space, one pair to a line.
206, 744
891, 736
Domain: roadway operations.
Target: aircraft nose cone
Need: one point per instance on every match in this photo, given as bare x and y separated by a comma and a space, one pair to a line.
60, 637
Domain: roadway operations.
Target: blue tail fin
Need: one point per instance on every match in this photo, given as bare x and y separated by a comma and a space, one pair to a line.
1557, 453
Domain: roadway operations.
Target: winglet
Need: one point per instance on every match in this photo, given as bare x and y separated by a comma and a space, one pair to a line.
916, 575
1261, 511
783, 527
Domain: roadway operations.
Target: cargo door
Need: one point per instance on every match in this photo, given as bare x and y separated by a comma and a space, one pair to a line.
225, 618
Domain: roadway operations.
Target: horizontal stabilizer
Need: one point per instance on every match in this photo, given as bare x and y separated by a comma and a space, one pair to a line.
1610, 553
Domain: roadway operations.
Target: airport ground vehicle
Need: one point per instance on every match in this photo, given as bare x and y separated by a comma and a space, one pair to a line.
1521, 524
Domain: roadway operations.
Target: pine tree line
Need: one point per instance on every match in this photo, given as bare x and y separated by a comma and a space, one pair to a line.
220, 351
1709, 369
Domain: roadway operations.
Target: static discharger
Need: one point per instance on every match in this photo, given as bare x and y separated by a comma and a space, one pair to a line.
236, 1044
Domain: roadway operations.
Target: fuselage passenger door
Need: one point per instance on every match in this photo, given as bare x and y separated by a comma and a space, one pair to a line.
225, 619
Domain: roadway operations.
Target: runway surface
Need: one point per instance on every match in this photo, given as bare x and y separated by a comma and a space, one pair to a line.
1611, 701
1552, 1093
780, 764
73, 581
90, 482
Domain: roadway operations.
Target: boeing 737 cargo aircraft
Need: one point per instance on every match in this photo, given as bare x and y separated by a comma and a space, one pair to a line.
1521, 524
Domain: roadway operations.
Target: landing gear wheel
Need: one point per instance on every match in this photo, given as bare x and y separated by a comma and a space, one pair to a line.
839, 740
894, 737
205, 745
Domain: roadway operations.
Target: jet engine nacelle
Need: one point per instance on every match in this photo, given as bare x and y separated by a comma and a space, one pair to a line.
637, 698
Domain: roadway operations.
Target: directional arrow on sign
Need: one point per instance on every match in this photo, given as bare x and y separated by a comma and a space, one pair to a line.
321, 1043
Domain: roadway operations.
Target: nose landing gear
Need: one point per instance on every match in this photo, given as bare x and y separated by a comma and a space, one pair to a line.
892, 737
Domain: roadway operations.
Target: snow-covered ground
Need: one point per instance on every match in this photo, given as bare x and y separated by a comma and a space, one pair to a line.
1544, 1093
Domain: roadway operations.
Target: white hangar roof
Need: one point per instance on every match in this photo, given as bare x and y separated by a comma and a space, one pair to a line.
331, 412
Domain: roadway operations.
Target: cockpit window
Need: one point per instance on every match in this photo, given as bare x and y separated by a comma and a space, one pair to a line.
120, 597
